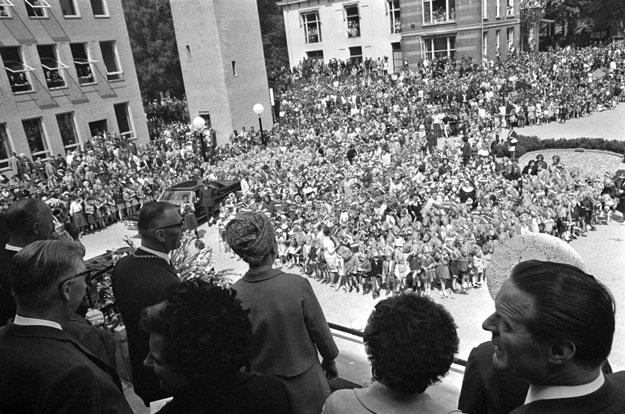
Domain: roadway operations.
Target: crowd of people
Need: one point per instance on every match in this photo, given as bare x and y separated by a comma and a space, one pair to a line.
356, 151
364, 198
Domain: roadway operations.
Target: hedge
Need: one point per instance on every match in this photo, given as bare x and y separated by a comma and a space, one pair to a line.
533, 143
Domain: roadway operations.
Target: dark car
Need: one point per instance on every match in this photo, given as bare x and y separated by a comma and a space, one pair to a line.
192, 189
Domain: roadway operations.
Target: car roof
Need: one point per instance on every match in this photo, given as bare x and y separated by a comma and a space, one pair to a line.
186, 185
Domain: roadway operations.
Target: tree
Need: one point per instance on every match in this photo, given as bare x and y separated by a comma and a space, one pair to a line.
153, 42
274, 35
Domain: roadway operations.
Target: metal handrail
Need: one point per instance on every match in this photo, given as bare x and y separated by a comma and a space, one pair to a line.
355, 332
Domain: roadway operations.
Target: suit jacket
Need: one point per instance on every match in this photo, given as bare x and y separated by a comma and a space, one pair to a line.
139, 281
45, 370
486, 390
287, 320
7, 302
609, 399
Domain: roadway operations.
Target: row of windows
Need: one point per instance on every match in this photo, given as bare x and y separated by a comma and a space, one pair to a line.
434, 12
38, 139
509, 41
19, 72
39, 9
509, 10
351, 15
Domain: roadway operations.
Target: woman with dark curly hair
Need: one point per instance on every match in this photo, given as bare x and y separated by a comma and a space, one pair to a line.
411, 342
200, 340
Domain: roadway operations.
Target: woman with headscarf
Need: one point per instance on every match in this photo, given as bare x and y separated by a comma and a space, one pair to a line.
287, 321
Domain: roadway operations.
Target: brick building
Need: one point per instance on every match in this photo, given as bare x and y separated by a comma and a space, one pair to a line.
223, 63
68, 74
402, 30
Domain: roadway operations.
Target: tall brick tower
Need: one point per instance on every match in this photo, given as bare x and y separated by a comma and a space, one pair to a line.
222, 61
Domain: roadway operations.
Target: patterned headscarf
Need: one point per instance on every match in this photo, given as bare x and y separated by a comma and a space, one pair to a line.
251, 236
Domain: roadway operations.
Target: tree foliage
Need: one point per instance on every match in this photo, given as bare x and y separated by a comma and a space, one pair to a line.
153, 42
579, 18
274, 36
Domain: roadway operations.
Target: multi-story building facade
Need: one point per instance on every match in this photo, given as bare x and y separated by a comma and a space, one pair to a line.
343, 29
68, 74
402, 30
459, 28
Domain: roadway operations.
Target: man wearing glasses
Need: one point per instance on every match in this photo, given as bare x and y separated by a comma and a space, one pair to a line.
142, 279
44, 368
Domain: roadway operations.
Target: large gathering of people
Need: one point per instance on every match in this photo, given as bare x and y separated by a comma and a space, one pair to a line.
399, 183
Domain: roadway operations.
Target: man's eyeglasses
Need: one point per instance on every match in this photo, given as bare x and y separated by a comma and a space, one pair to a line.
171, 226
87, 274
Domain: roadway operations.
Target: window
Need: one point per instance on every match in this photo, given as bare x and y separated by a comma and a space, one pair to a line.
510, 38
52, 68
111, 60
67, 128
5, 147
353, 21
355, 54
4, 8
83, 63
100, 8
394, 14
36, 138
498, 41
440, 47
36, 8
16, 70
69, 8
439, 11
312, 27
124, 122
485, 44
510, 8
315, 54
485, 9
498, 3
398, 59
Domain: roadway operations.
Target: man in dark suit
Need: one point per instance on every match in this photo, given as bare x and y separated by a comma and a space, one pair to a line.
28, 220
44, 369
208, 202
143, 279
553, 327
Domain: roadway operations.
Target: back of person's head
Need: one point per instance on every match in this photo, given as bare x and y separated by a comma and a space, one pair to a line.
206, 331
151, 216
252, 236
38, 268
24, 213
411, 342
570, 306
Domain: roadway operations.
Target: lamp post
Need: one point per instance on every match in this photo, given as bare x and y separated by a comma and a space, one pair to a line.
197, 125
258, 110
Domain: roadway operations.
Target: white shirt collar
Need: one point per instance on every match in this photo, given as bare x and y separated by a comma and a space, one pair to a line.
12, 248
162, 255
554, 392
24, 321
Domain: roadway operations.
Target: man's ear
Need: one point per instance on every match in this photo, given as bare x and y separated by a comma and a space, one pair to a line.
65, 291
35, 229
159, 235
561, 352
